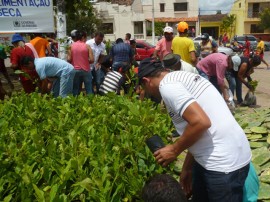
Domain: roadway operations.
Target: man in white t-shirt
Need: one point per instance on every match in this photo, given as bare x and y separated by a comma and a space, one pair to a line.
218, 150
98, 48
174, 62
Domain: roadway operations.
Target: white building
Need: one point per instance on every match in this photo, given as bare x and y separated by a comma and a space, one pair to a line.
135, 16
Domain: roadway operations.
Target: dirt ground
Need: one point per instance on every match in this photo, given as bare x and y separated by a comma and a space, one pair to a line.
261, 74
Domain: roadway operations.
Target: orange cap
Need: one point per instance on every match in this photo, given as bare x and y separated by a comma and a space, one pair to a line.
182, 26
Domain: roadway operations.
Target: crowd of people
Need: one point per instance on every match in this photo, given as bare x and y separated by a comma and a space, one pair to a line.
218, 163
210, 64
88, 66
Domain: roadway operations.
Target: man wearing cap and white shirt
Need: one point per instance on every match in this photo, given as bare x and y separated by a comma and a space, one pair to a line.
164, 45
218, 150
242, 69
175, 63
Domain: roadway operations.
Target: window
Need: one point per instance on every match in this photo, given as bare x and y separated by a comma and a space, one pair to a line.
180, 6
162, 7
107, 28
256, 29
139, 45
256, 8
239, 5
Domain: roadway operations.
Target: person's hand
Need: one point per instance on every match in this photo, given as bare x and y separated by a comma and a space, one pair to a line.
250, 87
165, 155
186, 181
226, 98
97, 66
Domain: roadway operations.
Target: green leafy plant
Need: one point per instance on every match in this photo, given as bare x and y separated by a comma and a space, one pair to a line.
256, 125
77, 148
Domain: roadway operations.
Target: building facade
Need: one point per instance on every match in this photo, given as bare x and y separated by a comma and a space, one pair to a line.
135, 16
247, 17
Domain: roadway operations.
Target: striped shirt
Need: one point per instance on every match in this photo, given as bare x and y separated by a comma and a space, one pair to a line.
111, 83
223, 147
190, 85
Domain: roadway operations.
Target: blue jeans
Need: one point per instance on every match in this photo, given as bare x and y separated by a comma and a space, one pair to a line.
214, 81
235, 85
117, 65
212, 186
63, 85
202, 73
98, 76
85, 77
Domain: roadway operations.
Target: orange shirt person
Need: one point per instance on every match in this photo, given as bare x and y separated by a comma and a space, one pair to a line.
41, 45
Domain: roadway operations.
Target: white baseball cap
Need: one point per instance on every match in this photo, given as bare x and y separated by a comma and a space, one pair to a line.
236, 62
168, 29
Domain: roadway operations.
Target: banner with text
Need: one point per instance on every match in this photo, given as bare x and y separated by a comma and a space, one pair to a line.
26, 16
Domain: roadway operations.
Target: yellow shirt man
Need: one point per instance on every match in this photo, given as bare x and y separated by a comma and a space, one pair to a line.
183, 46
260, 47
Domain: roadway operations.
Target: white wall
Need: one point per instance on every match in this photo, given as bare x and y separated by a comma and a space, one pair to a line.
123, 17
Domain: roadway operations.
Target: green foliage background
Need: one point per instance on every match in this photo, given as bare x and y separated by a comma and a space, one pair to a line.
265, 18
77, 148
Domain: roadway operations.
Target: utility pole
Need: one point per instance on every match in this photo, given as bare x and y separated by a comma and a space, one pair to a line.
61, 28
153, 23
199, 22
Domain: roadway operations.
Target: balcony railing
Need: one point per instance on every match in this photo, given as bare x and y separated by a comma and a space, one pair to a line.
139, 36
252, 14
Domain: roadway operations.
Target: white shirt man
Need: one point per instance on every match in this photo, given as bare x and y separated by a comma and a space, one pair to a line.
218, 150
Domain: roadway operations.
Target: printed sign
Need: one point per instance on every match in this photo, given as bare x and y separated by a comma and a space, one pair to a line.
25, 16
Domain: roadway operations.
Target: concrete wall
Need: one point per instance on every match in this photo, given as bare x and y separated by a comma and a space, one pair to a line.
124, 17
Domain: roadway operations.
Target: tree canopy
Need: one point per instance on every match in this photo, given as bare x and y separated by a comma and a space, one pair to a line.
228, 24
80, 15
265, 19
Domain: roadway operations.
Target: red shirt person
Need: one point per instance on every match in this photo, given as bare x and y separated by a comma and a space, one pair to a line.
247, 47
225, 39
20, 50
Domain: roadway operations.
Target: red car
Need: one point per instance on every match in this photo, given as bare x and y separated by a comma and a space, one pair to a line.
144, 50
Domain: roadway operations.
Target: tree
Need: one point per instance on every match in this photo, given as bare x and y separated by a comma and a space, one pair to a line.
228, 24
80, 15
265, 19
159, 26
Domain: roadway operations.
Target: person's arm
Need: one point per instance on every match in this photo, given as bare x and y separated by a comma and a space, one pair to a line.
155, 53
14, 60
186, 174
197, 123
221, 67
90, 54
192, 52
193, 58
242, 75
121, 85
100, 58
48, 47
69, 55
157, 49
223, 90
